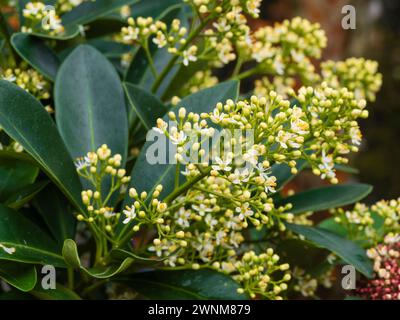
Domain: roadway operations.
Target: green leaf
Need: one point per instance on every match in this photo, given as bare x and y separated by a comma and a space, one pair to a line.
35, 51
328, 197
146, 106
14, 175
152, 8
21, 276
110, 49
345, 249
139, 71
25, 194
56, 213
71, 256
187, 284
25, 120
70, 31
89, 11
31, 243
145, 177
59, 293
90, 104
331, 225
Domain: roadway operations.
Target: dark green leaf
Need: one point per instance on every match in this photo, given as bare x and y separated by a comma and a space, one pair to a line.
90, 103
31, 244
59, 293
146, 106
152, 8
71, 256
19, 275
345, 249
89, 11
35, 51
25, 194
188, 284
324, 198
110, 49
14, 175
25, 120
56, 213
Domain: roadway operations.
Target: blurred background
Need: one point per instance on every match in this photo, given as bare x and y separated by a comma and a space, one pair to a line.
377, 36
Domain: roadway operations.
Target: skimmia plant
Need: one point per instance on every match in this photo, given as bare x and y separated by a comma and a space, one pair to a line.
132, 161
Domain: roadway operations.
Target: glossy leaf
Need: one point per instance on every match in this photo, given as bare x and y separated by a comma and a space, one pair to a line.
152, 8
89, 11
71, 256
146, 106
59, 293
25, 120
345, 249
56, 213
35, 51
19, 275
25, 194
324, 198
110, 49
90, 103
187, 284
14, 175
32, 245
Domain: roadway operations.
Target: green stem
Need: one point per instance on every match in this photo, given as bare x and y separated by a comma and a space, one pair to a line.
70, 278
150, 58
246, 74
237, 67
93, 287
171, 63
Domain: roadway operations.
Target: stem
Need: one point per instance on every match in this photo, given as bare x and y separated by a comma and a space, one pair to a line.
171, 63
246, 74
184, 187
237, 67
150, 58
177, 174
93, 287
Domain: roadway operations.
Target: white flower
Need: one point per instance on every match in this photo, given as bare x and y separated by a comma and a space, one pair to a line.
201, 209
183, 218
251, 156
241, 176
244, 211
270, 184
210, 221
189, 55
109, 214
220, 236
161, 126
286, 138
217, 116
222, 165
130, 214
297, 56
82, 163
355, 135
177, 137
160, 40
130, 34
327, 166
157, 249
10, 78
9, 250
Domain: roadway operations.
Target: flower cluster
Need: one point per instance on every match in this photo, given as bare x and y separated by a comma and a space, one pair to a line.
140, 30
307, 284
251, 7
29, 80
360, 222
286, 48
256, 274
101, 169
356, 74
281, 85
39, 18
386, 283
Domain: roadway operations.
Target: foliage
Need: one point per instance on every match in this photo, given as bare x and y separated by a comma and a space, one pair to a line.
216, 213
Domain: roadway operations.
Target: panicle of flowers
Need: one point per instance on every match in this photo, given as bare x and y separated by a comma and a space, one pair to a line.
281, 85
261, 275
100, 168
28, 79
386, 283
286, 48
140, 30
39, 18
359, 75
360, 222
307, 284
